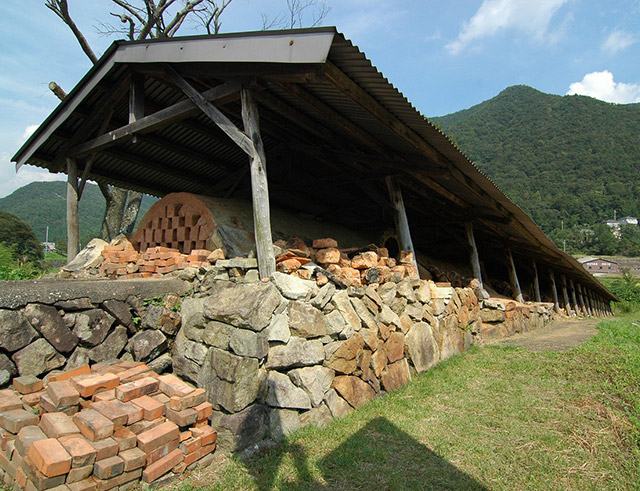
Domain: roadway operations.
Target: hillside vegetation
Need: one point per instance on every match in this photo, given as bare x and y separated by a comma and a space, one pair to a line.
42, 204
570, 159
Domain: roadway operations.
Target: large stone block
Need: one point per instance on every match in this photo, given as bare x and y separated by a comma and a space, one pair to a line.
37, 358
239, 431
343, 359
296, 353
46, 320
111, 347
315, 381
281, 392
336, 404
193, 322
421, 346
247, 305
15, 331
92, 326
121, 311
343, 304
353, 389
184, 366
283, 422
216, 334
306, 321
294, 288
396, 375
148, 344
244, 342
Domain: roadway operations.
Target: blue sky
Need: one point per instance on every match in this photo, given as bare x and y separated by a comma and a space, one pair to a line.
444, 55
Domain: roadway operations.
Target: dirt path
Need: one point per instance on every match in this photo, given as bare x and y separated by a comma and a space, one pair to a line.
560, 335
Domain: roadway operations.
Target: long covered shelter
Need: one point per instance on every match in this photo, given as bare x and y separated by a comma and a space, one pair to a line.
303, 120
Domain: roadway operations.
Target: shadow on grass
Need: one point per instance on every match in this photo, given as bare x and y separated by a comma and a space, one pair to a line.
379, 457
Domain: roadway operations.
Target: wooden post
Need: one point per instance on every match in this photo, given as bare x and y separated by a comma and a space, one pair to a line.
592, 308
536, 283
554, 290
400, 219
565, 296
475, 258
513, 276
259, 187
585, 310
574, 297
73, 232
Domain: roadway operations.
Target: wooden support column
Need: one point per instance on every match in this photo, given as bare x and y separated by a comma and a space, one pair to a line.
473, 253
259, 187
536, 282
73, 231
585, 310
574, 297
513, 277
592, 307
400, 219
554, 290
565, 296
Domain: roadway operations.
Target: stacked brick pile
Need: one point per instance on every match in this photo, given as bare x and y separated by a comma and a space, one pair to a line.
100, 428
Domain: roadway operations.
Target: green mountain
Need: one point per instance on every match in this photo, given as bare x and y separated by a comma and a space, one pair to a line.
42, 204
571, 159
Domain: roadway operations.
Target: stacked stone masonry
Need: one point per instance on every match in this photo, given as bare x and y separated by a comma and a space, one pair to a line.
108, 426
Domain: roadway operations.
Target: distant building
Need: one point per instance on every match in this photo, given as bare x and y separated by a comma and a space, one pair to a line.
48, 246
616, 224
604, 266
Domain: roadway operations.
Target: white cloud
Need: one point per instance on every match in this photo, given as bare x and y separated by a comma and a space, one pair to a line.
28, 131
618, 41
601, 85
528, 16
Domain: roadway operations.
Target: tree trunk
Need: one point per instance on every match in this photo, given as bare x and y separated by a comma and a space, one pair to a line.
130, 215
116, 199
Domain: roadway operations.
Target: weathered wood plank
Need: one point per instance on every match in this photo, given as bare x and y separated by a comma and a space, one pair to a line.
474, 256
574, 297
565, 296
259, 187
73, 232
513, 277
400, 218
536, 282
554, 291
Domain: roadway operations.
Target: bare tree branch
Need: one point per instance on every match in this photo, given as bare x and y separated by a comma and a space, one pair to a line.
210, 13
132, 25
299, 13
61, 9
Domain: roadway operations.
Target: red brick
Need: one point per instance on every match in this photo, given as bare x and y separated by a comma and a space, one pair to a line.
89, 484
56, 425
137, 388
173, 386
161, 398
26, 436
88, 386
185, 435
206, 435
69, 374
105, 448
82, 452
93, 425
190, 445
145, 425
105, 395
79, 473
49, 407
134, 458
204, 410
113, 410
198, 454
49, 457
126, 438
152, 409
16, 419
162, 451
197, 396
108, 468
183, 418
162, 466
128, 374
32, 399
21, 478
158, 436
9, 400
106, 484
27, 384
63, 393
38, 479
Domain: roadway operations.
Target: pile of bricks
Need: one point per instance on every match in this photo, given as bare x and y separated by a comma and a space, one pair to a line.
351, 267
102, 427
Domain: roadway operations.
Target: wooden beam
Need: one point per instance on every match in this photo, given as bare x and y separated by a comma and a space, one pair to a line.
475, 257
565, 296
554, 290
73, 232
259, 187
513, 277
574, 297
136, 98
159, 119
400, 218
536, 282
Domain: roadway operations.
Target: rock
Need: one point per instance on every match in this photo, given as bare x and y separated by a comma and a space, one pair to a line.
353, 389
92, 326
232, 382
341, 302
15, 331
217, 334
421, 347
335, 322
111, 347
306, 321
387, 292
398, 305
46, 320
192, 318
83, 303
281, 392
8, 365
373, 295
363, 312
215, 256
365, 260
370, 337
248, 343
388, 316
324, 296
37, 358
423, 292
324, 243
396, 375
119, 310
336, 404
148, 344
87, 258
161, 364
379, 362
394, 347
329, 255
79, 357
5, 378
247, 305
318, 416
490, 315
182, 366
343, 359
283, 422
243, 429
293, 287
296, 353
314, 380
452, 340
278, 331
405, 289
238, 262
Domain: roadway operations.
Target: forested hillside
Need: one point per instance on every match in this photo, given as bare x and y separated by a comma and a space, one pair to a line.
570, 159
42, 204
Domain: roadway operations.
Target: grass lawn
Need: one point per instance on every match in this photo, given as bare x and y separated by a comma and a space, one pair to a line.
492, 418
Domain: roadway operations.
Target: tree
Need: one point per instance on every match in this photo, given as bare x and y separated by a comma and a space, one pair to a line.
298, 13
19, 238
139, 19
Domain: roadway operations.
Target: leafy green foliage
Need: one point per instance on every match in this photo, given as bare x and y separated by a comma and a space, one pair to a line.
569, 162
11, 269
627, 289
42, 204
19, 238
